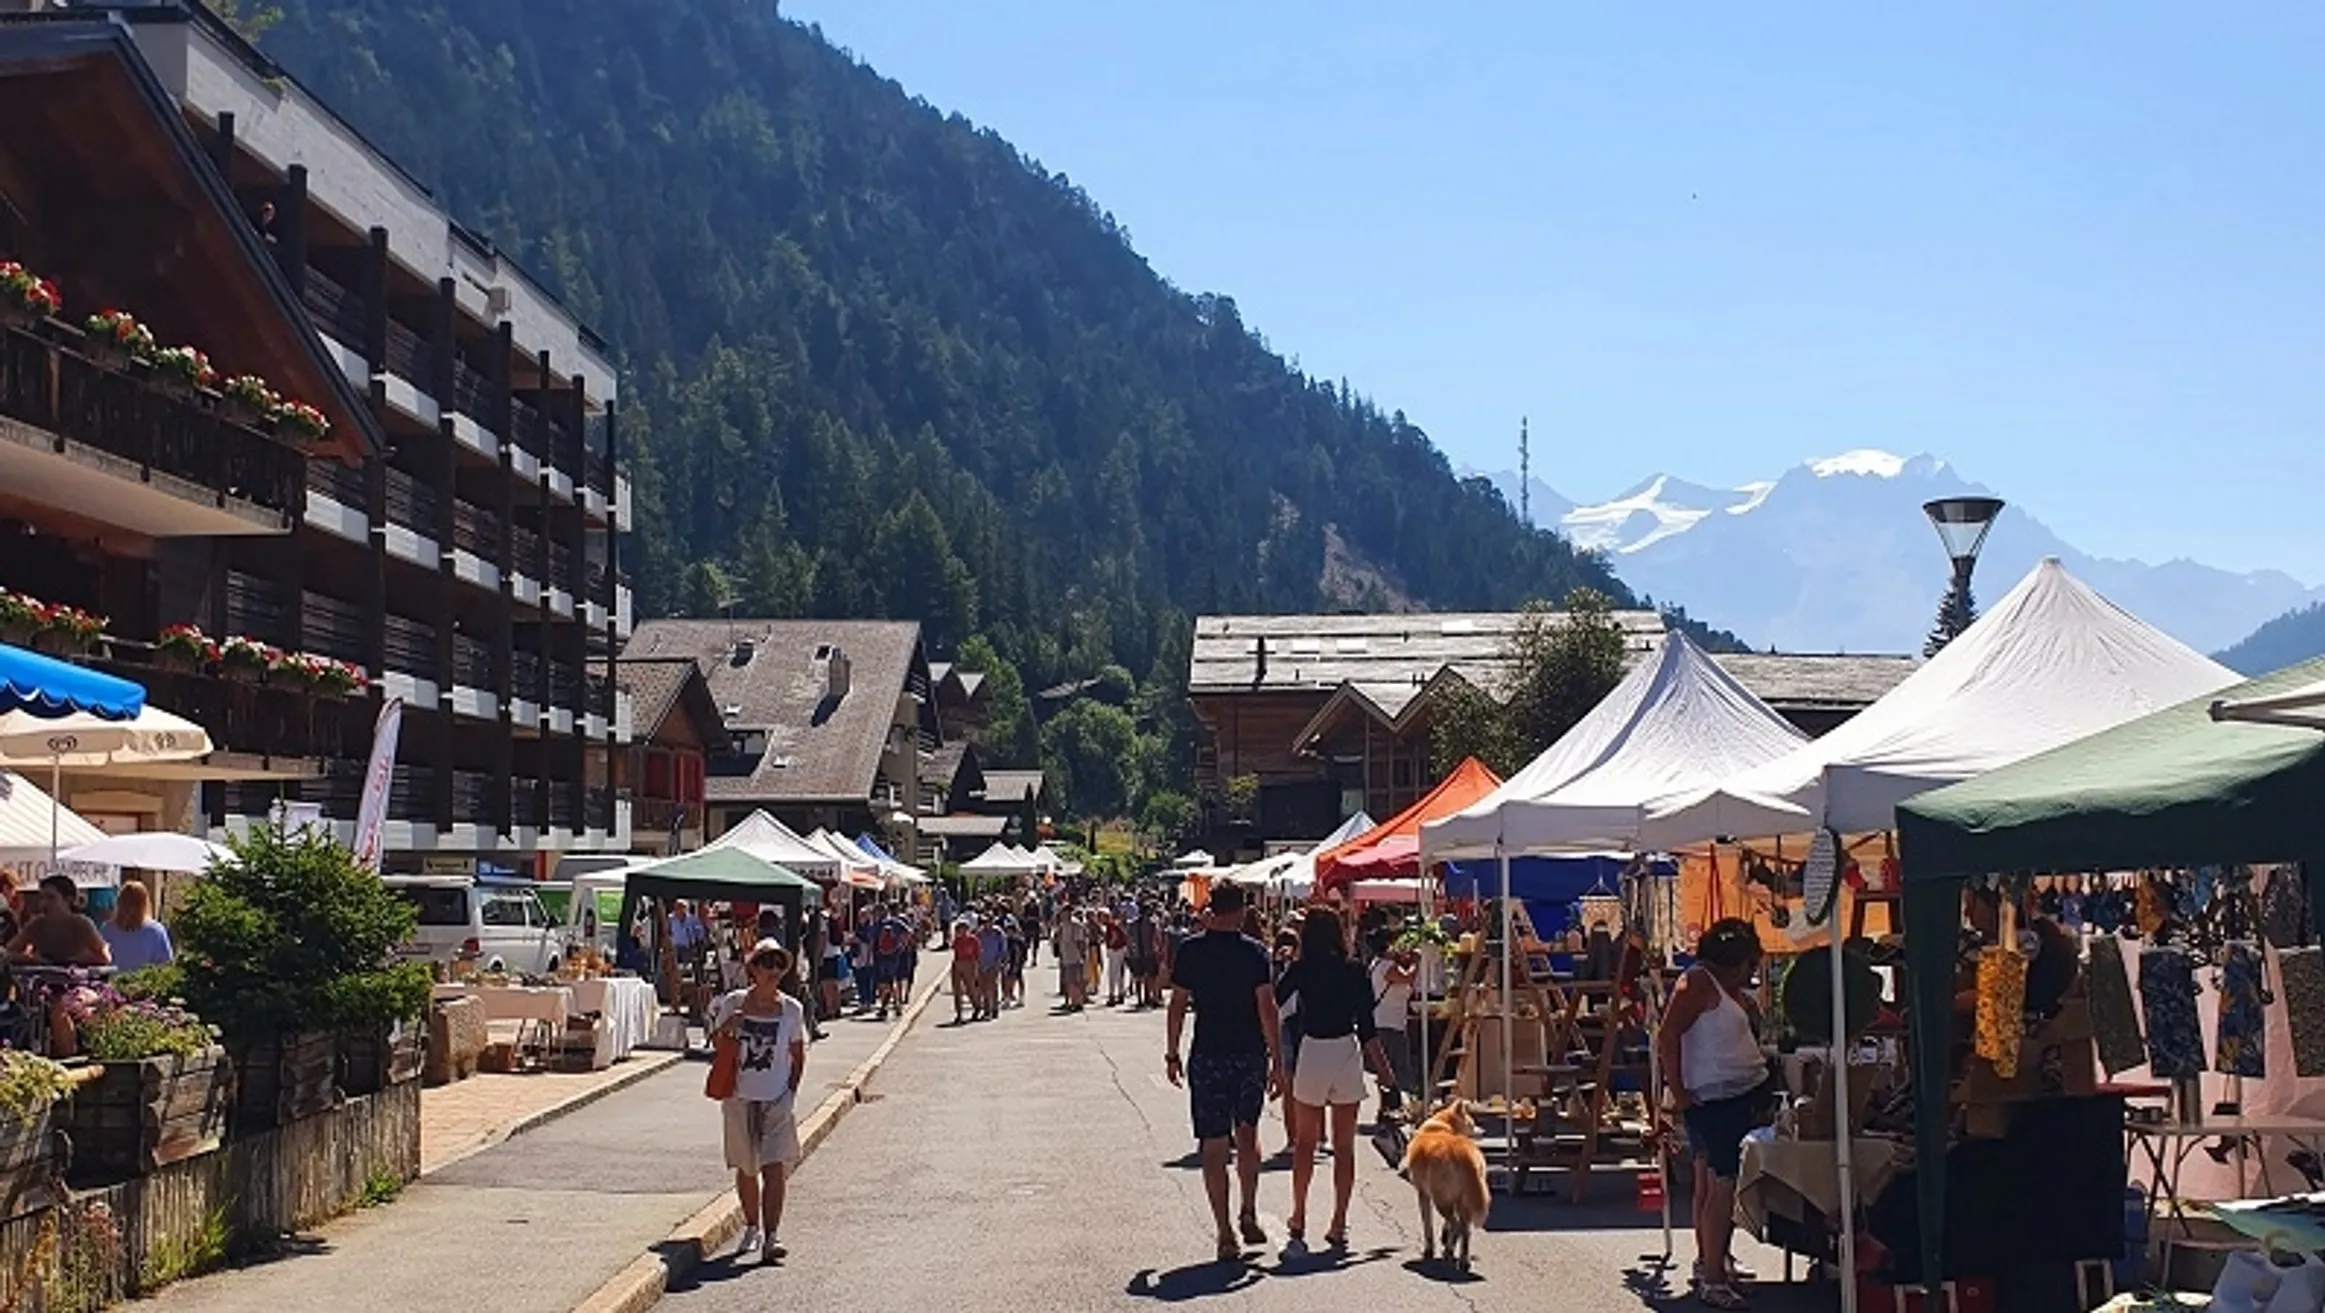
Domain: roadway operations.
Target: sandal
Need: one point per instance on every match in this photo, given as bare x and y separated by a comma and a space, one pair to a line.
1336, 1240
1229, 1250
1253, 1233
1720, 1295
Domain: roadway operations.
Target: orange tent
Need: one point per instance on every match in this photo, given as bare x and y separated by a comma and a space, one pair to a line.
1393, 847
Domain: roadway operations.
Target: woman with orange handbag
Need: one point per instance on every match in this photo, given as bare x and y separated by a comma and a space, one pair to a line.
758, 1053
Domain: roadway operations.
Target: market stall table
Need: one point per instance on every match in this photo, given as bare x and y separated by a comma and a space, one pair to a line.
1779, 1174
538, 1010
2166, 1146
629, 1009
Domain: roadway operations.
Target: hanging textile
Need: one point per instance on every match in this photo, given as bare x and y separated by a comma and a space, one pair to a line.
2167, 994
2301, 974
2284, 908
2114, 1017
2239, 1048
2001, 1008
2148, 908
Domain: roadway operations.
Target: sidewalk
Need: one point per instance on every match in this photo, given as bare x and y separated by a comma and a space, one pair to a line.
536, 1224
458, 1119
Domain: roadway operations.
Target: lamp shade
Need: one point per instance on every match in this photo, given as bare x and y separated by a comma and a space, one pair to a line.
1963, 522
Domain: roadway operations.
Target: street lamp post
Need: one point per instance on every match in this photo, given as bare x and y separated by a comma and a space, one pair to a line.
1962, 524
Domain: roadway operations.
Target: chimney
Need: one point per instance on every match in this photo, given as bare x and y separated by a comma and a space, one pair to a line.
741, 656
1259, 674
835, 668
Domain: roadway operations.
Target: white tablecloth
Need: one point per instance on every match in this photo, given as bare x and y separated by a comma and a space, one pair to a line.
516, 1002
629, 1008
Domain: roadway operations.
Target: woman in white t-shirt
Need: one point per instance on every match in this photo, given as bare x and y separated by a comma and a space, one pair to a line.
1391, 975
761, 1124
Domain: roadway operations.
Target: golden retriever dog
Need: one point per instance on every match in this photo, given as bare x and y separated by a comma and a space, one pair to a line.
1448, 1173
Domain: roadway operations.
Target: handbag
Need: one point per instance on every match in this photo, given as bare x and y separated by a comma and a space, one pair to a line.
726, 1064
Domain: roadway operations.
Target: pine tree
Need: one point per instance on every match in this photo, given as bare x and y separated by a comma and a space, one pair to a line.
1957, 610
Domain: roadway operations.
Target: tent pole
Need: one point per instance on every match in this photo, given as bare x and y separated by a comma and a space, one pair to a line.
1509, 1027
1844, 1135
56, 806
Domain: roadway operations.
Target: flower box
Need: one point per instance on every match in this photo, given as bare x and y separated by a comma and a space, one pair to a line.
371, 1063
31, 1162
139, 1116
285, 1078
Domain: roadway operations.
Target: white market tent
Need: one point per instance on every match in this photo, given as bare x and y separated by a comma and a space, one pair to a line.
770, 840
1000, 859
1402, 889
858, 869
33, 825
1676, 722
2052, 662
1045, 860
1196, 860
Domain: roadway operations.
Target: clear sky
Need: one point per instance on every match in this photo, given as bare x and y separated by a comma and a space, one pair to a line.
2077, 250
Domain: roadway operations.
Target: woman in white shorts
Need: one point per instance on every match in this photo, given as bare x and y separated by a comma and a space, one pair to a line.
761, 1124
1338, 1040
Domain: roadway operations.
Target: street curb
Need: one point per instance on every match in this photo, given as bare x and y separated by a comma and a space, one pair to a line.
634, 1070
642, 1284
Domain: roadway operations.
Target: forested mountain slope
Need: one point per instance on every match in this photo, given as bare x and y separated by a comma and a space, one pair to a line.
879, 362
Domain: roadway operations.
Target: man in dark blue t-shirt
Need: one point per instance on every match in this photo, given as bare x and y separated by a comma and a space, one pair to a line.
1237, 1061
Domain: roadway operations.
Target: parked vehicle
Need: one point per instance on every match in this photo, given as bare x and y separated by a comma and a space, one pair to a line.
499, 925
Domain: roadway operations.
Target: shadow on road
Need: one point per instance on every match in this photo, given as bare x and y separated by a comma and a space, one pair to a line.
1198, 1281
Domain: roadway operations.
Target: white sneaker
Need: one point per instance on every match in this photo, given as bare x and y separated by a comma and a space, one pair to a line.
748, 1243
772, 1251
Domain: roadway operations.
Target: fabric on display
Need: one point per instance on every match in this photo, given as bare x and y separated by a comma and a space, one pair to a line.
2239, 1047
2114, 1017
2167, 994
2001, 1008
2148, 908
2284, 908
2301, 976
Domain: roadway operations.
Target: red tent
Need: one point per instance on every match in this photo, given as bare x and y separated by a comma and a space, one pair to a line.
1393, 847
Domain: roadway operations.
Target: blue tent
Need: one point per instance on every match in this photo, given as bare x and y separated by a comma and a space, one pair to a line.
48, 688
1548, 886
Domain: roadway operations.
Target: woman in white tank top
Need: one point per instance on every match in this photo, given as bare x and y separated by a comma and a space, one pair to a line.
1717, 1078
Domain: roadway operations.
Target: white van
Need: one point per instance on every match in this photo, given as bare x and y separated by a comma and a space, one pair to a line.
500, 925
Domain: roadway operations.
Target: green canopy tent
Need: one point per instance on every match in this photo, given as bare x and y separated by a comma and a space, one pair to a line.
2232, 777
725, 875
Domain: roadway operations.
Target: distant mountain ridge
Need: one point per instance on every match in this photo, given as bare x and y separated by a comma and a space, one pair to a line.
1836, 555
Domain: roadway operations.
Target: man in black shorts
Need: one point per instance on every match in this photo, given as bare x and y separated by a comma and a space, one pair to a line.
1237, 1062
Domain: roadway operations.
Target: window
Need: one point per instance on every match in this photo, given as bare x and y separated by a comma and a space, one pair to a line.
505, 909
438, 905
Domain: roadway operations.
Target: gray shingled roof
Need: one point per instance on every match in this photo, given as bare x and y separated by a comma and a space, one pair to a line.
654, 687
963, 827
1790, 681
1389, 658
817, 750
1011, 786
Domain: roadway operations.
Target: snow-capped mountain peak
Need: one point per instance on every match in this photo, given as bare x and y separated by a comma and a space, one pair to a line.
1871, 462
1649, 513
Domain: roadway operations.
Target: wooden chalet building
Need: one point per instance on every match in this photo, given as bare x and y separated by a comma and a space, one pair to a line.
1332, 714
665, 769
451, 536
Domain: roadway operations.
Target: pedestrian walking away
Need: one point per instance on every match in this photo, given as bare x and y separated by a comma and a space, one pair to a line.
1338, 1040
760, 1122
1236, 1062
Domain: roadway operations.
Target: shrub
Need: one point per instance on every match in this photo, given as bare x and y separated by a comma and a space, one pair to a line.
296, 936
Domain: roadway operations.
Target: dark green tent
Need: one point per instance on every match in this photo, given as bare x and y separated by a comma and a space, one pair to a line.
2190, 785
725, 875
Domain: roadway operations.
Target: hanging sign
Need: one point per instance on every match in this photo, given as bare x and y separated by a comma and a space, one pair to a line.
378, 777
1820, 877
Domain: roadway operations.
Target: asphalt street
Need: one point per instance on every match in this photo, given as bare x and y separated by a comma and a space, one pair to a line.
1042, 1161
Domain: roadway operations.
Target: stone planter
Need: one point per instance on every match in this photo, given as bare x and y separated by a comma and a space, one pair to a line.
371, 1063
283, 1078
141, 1116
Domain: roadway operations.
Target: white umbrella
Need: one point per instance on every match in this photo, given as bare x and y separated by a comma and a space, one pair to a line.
152, 850
85, 743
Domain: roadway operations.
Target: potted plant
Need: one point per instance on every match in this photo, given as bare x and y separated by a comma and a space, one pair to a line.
244, 659
300, 422
291, 670
291, 945
186, 648
30, 1086
249, 401
67, 630
19, 618
163, 1083
116, 340
183, 370
25, 297
337, 679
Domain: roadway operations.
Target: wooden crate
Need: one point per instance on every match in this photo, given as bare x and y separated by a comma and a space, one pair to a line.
371, 1063
140, 1116
283, 1078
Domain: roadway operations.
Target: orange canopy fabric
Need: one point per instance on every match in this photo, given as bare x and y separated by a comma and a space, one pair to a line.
1374, 854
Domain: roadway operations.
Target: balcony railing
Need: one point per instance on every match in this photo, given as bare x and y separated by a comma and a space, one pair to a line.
253, 719
332, 628
255, 609
409, 357
472, 663
524, 551
597, 472
411, 503
525, 803
472, 394
562, 808
531, 433
410, 646
561, 573
412, 794
55, 388
564, 686
526, 678
476, 530
472, 798
600, 815
335, 310
340, 482
598, 692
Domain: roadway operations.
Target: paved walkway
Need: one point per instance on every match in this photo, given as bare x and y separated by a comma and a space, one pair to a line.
460, 1118
533, 1225
1042, 1162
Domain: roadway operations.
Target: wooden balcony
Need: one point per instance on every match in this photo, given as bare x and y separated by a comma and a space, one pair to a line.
115, 447
254, 720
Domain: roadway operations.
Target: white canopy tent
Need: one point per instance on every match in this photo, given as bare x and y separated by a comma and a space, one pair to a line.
1044, 859
1195, 860
1675, 722
858, 869
999, 860
770, 840
2052, 662
152, 850
33, 826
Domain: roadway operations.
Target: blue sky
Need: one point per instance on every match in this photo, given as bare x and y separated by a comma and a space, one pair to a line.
2077, 250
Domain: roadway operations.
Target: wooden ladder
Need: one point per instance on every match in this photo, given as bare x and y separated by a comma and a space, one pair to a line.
1602, 1044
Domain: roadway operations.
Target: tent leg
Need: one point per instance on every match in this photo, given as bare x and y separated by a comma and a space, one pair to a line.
1844, 1135
1509, 1032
